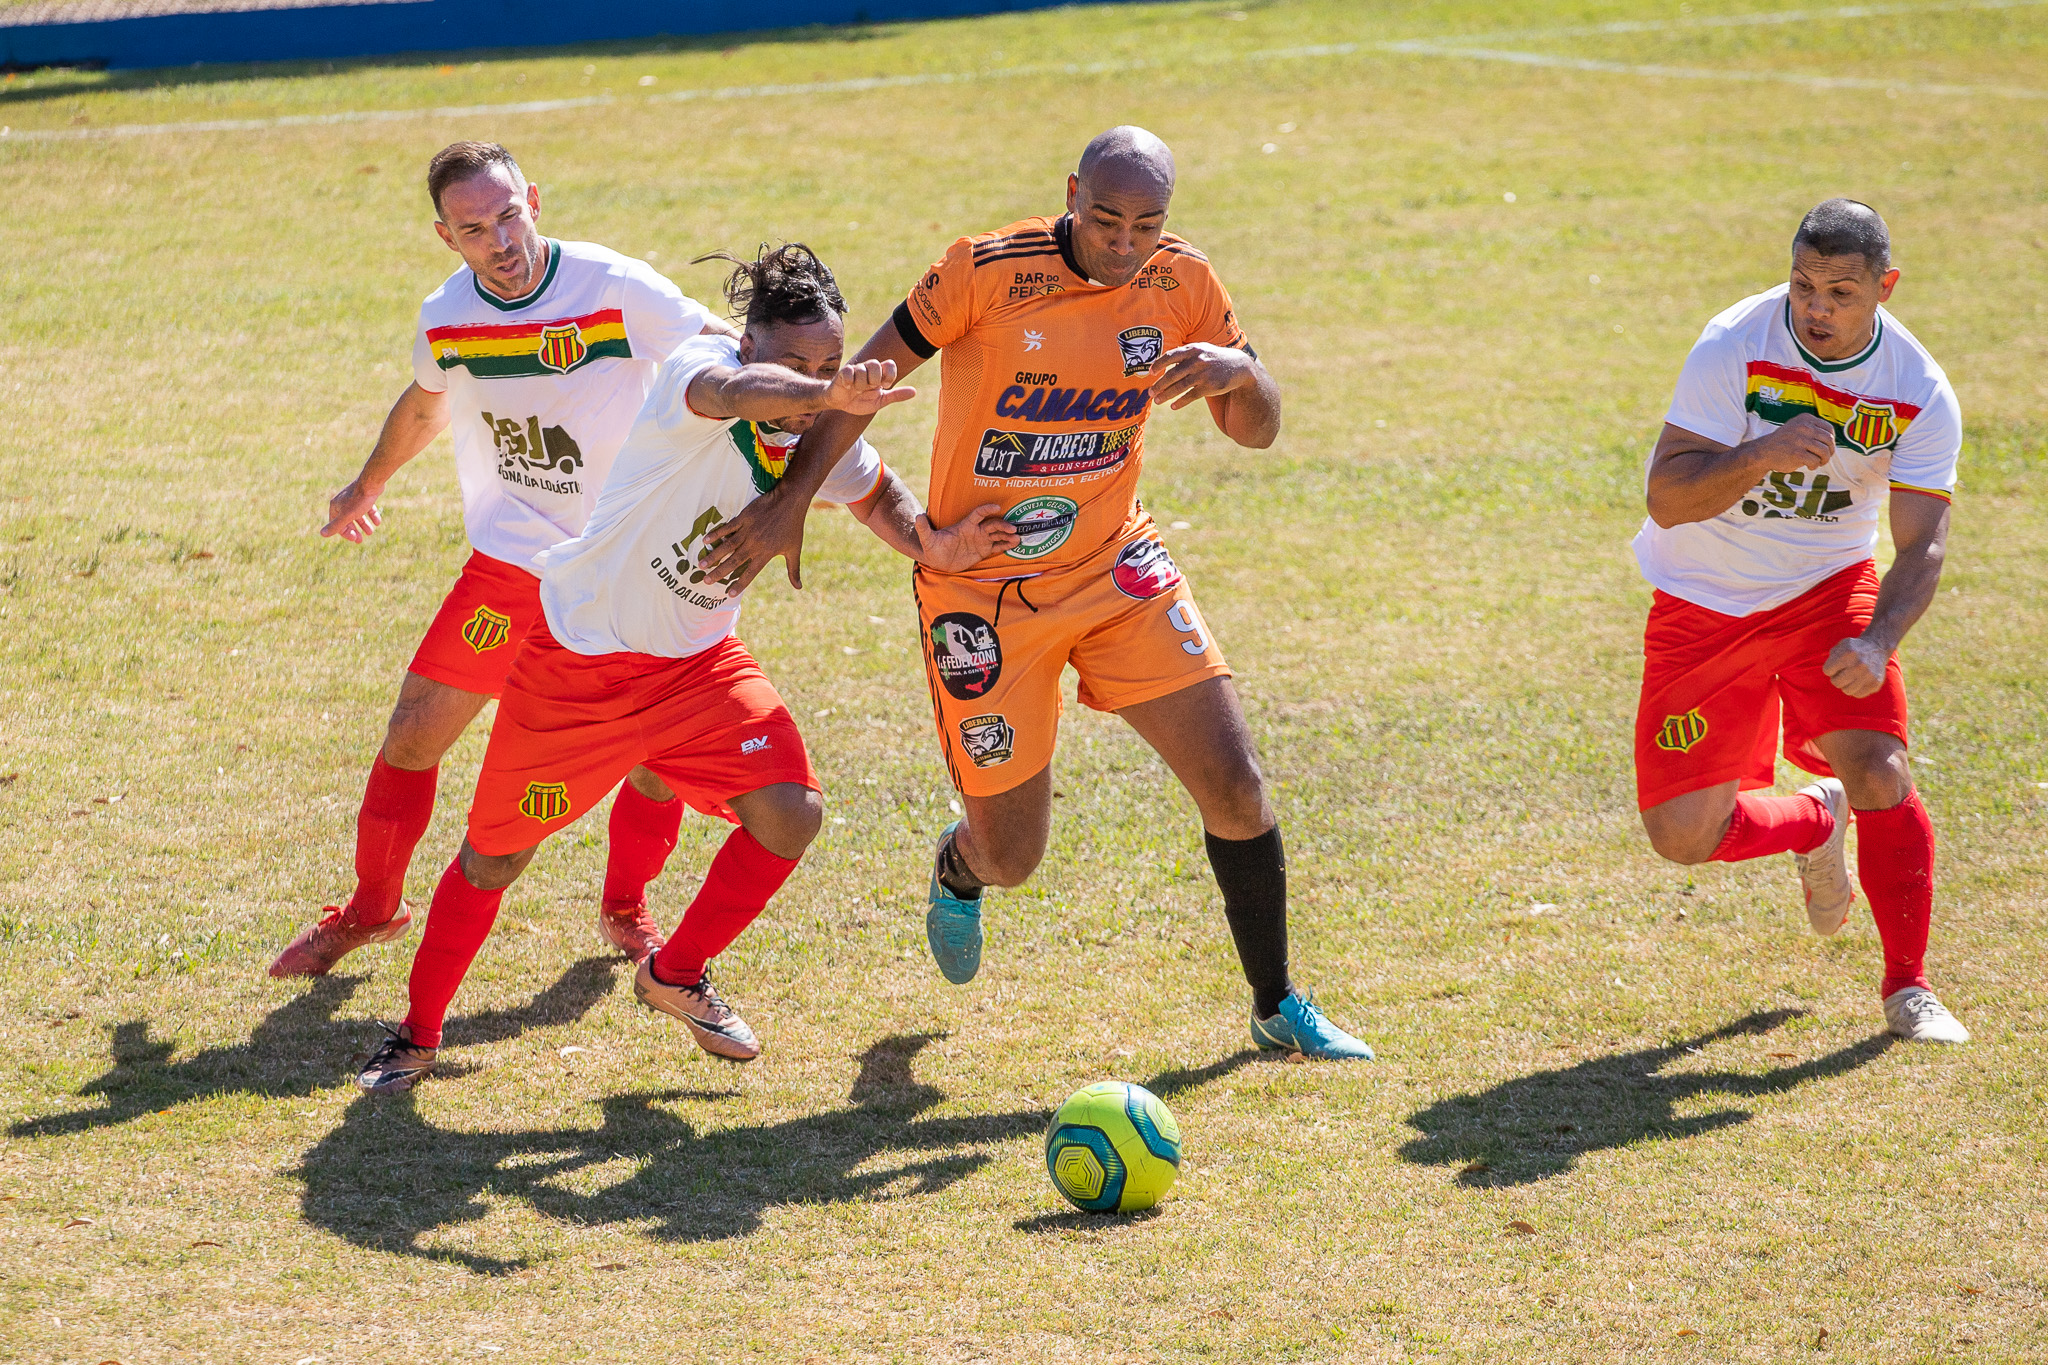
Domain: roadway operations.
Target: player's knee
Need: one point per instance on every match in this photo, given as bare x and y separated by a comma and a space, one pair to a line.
784, 818
492, 871
1005, 861
1237, 808
1682, 844
409, 745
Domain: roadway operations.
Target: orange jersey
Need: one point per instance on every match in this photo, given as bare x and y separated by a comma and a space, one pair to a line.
1044, 384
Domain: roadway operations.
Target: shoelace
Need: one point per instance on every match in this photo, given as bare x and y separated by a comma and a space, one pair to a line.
1921, 1007
387, 1051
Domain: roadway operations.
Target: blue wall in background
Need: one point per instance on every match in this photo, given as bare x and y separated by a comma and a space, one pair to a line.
330, 31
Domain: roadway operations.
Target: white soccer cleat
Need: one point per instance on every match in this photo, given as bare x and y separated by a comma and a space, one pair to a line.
1824, 873
1915, 1015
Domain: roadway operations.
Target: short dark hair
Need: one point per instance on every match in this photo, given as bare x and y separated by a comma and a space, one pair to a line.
1846, 227
784, 284
458, 161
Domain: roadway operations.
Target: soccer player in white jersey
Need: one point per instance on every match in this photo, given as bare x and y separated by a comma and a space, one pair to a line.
635, 661
537, 355
1801, 413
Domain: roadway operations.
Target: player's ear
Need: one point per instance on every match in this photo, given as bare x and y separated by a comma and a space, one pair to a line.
1886, 283
747, 347
533, 199
447, 237
1073, 192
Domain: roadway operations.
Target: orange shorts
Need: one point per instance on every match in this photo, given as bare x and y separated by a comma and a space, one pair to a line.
994, 650
1714, 688
572, 725
478, 629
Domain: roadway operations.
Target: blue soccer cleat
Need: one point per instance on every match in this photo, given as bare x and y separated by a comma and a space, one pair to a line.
1301, 1027
953, 926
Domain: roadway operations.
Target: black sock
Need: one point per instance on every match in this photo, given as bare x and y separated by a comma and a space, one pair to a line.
955, 875
1252, 874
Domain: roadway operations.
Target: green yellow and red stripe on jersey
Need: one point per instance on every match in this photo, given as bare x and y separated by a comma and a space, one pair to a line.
1778, 393
522, 350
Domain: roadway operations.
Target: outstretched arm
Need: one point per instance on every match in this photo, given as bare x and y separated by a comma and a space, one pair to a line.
892, 513
1920, 534
1243, 399
773, 524
765, 392
1695, 479
416, 418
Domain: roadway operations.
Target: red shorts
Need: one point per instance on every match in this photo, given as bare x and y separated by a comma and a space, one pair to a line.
572, 725
1714, 687
478, 629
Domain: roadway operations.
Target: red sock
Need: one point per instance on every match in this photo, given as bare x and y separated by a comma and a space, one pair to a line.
742, 878
457, 925
1763, 825
643, 834
1895, 860
397, 804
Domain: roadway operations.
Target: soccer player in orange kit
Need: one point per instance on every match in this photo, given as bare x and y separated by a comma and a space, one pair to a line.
1059, 336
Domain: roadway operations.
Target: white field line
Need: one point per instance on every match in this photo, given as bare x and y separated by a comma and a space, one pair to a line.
1707, 73
1416, 47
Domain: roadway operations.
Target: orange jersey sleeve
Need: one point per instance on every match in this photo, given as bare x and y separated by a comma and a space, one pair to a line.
942, 306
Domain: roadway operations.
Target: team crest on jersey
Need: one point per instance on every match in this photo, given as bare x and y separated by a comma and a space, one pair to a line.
1140, 346
561, 346
1871, 427
1680, 733
486, 629
545, 801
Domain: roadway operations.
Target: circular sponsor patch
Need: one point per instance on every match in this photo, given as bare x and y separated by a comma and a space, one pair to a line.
1144, 569
1044, 523
967, 654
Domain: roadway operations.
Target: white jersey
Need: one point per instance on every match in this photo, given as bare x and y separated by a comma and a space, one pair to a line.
1896, 426
630, 582
542, 389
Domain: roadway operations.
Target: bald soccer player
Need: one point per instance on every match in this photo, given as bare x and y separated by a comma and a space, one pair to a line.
536, 355
1059, 337
1801, 414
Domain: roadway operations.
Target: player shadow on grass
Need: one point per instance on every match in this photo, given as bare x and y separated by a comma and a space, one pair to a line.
1537, 1126
298, 1049
388, 1179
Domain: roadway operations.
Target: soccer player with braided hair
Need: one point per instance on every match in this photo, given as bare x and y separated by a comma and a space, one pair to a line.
634, 660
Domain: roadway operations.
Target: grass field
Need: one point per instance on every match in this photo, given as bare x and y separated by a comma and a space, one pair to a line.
1475, 276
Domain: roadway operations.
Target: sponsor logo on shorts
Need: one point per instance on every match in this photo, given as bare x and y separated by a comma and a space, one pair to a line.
1044, 523
545, 801
1144, 569
1680, 733
1056, 455
754, 745
989, 740
967, 653
1140, 346
486, 629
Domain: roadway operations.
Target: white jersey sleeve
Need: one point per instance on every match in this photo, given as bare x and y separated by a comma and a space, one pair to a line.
858, 474
425, 371
1712, 387
659, 316
1924, 461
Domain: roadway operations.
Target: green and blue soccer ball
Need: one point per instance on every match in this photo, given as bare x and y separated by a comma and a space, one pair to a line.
1113, 1148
